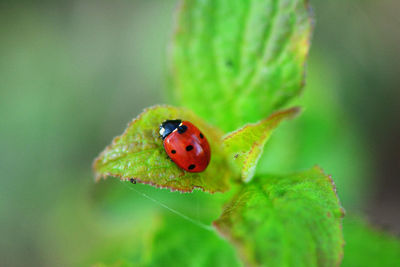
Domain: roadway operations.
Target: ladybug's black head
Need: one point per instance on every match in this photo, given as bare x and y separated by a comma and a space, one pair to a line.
168, 127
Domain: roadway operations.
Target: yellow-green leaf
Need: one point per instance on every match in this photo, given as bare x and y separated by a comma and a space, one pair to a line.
139, 154
246, 145
237, 61
293, 220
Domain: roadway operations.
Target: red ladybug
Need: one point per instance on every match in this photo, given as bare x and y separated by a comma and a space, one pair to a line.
185, 145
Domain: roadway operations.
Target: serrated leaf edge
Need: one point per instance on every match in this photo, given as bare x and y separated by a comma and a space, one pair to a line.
226, 235
292, 112
99, 176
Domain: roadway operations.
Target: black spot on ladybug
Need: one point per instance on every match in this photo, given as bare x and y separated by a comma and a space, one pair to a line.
201, 136
189, 147
133, 181
191, 167
173, 151
182, 129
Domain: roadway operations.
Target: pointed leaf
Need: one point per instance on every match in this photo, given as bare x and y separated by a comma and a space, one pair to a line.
237, 61
246, 145
290, 220
139, 154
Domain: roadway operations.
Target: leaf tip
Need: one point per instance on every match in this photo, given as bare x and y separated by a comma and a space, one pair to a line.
291, 113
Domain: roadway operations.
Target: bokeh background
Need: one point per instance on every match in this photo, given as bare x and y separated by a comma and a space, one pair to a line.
74, 73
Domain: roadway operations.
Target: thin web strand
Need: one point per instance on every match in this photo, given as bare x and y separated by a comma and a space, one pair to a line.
200, 224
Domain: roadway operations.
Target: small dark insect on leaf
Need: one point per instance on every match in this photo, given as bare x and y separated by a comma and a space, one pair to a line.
133, 181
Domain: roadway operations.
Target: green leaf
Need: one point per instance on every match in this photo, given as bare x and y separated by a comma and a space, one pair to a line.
181, 243
172, 241
236, 61
139, 154
246, 145
290, 220
367, 246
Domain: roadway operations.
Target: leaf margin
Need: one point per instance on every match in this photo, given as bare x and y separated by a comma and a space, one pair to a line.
182, 173
268, 125
224, 233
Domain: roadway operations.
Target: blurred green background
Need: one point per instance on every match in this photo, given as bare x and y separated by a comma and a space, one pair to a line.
74, 73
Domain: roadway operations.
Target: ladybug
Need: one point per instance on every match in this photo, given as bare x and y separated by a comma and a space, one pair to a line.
185, 145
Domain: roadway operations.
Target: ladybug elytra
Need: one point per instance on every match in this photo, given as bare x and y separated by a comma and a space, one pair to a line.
185, 145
